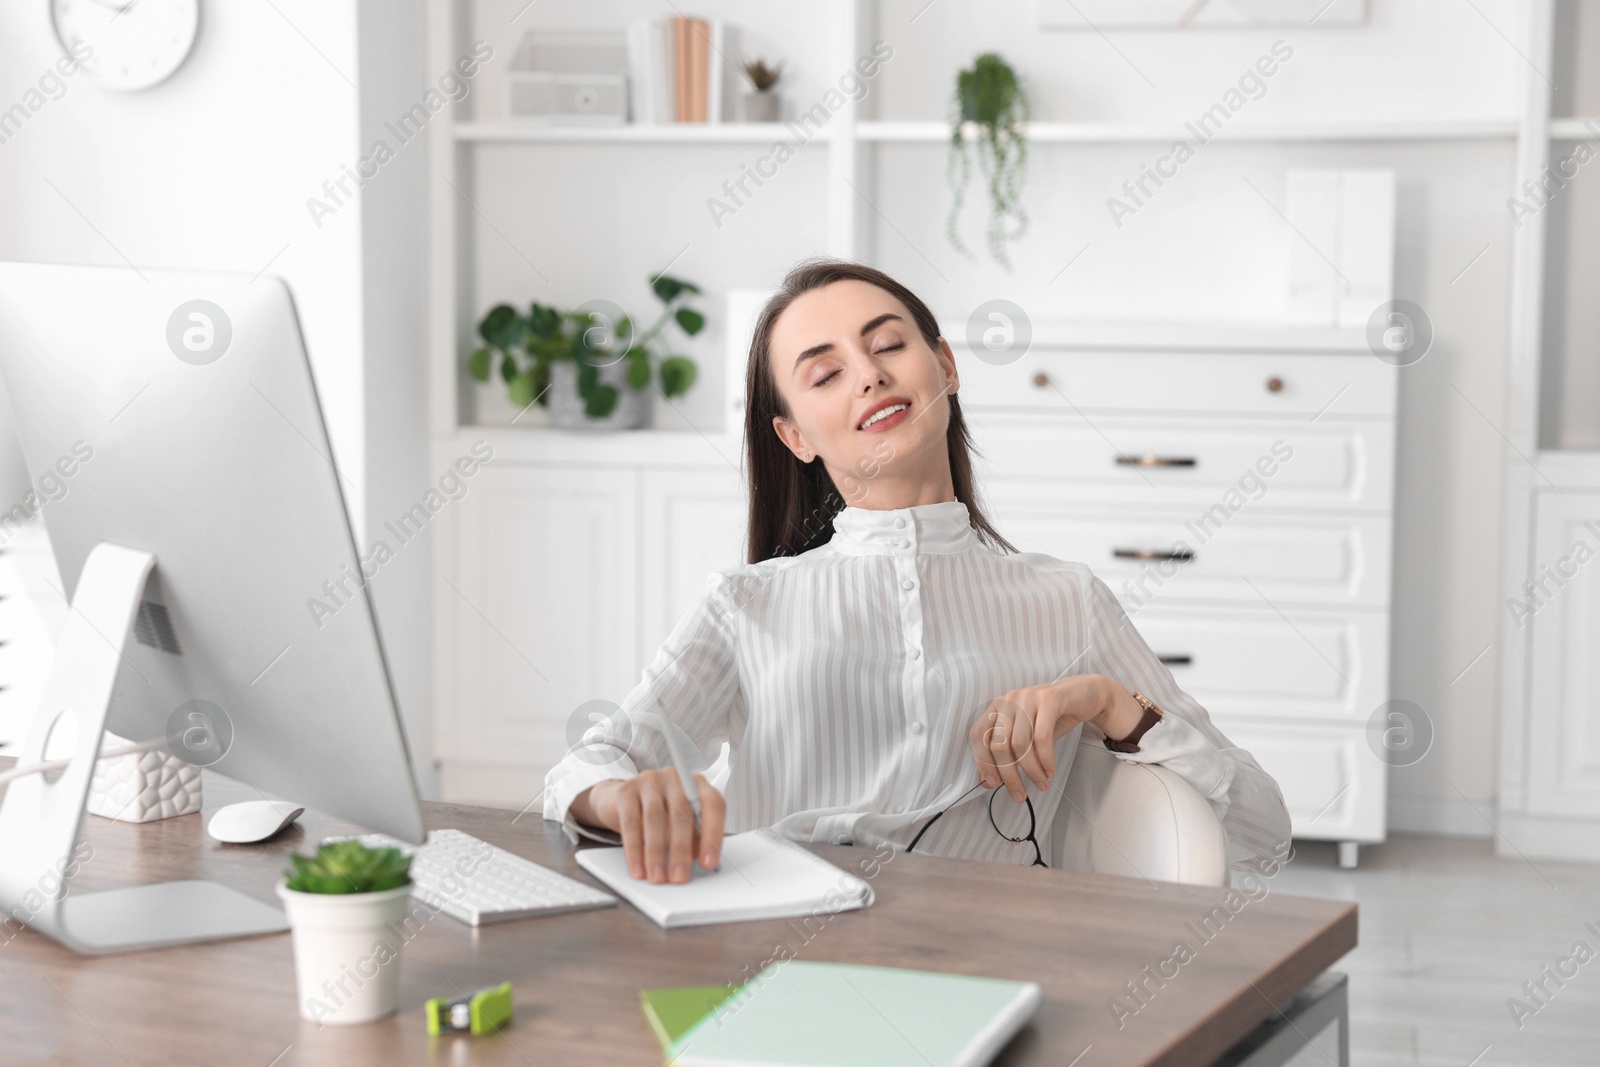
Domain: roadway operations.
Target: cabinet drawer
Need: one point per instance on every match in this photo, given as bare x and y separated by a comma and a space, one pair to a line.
1355, 384
1332, 782
1154, 558
1294, 665
1209, 465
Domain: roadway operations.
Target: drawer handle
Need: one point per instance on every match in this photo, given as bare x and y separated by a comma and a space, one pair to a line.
1182, 555
1148, 460
1177, 661
1274, 384
1040, 379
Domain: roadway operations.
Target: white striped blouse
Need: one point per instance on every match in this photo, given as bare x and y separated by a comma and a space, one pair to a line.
845, 681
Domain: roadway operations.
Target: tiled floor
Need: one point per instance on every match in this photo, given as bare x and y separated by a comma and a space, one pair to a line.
1449, 933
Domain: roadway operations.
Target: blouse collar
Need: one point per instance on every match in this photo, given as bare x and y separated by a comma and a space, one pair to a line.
944, 527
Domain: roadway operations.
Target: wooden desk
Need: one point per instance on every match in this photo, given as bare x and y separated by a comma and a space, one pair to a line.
578, 976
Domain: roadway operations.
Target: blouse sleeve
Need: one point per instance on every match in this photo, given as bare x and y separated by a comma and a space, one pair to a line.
692, 683
1244, 796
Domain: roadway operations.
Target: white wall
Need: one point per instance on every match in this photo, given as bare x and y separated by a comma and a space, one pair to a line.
209, 169
212, 169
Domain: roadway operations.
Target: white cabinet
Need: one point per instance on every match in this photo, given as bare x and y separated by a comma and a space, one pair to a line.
558, 580
693, 525
538, 602
1237, 495
1562, 607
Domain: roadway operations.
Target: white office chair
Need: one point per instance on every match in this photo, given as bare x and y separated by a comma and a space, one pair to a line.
1135, 819
1125, 818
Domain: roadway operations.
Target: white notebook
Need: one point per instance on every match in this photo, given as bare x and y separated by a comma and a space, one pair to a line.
760, 875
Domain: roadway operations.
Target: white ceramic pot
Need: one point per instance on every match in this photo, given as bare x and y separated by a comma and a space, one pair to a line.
566, 406
346, 952
761, 107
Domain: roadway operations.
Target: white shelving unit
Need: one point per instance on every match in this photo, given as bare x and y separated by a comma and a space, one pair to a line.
499, 724
1550, 677
847, 140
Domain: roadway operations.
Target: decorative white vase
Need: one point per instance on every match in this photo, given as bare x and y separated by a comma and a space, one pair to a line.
566, 406
347, 952
143, 786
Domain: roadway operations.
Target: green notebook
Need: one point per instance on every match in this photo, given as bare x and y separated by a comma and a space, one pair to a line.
800, 1013
673, 1012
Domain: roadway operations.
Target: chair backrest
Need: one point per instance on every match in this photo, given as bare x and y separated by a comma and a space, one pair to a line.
1126, 818
1136, 819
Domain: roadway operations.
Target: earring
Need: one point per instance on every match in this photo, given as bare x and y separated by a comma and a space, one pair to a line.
806, 456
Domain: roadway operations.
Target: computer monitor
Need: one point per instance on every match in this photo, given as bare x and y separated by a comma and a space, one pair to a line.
173, 434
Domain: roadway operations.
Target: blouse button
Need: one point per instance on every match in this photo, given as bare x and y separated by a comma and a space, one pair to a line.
916, 727
905, 544
843, 839
916, 653
900, 524
908, 584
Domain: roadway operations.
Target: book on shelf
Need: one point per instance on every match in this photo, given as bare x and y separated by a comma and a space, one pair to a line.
681, 69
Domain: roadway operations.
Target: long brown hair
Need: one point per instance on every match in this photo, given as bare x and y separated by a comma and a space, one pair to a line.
793, 504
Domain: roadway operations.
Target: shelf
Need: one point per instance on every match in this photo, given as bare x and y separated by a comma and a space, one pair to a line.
633, 133
648, 448
1567, 469
512, 132
1587, 129
1159, 133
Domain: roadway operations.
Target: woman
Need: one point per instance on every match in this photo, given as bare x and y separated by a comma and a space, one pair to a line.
867, 675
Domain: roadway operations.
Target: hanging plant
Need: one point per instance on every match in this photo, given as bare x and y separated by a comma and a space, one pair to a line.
990, 96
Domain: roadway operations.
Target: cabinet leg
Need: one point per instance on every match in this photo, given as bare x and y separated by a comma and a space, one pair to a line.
1348, 853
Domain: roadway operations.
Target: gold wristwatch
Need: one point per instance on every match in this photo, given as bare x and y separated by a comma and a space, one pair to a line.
1152, 715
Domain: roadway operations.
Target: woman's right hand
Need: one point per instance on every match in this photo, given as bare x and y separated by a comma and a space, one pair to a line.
655, 820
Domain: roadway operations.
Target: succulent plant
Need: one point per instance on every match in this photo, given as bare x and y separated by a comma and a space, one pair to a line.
762, 76
348, 867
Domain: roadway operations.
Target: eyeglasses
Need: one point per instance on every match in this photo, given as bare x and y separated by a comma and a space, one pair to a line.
1038, 854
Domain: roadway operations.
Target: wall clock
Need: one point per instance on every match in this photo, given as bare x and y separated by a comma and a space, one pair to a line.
133, 44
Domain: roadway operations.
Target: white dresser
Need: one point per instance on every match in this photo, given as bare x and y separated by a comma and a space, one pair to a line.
1235, 488
1120, 446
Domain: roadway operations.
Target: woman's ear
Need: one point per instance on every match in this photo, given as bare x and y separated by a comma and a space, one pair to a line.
792, 438
947, 362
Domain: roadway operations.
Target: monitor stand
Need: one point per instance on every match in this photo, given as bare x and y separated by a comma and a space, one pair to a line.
40, 818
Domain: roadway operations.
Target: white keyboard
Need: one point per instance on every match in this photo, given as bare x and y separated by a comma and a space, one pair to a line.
472, 880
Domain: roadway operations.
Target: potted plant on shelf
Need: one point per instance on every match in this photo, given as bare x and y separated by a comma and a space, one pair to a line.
763, 104
345, 905
990, 95
587, 367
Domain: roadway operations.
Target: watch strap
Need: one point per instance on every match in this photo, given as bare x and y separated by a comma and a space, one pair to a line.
1152, 715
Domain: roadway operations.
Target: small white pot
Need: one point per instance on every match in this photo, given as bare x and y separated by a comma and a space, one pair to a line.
566, 406
346, 952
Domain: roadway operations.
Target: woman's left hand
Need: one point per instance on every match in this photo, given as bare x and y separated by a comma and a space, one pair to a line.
1016, 733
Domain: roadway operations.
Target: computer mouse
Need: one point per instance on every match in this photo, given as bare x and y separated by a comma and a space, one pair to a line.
252, 820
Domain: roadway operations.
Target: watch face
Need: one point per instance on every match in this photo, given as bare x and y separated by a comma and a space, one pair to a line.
127, 44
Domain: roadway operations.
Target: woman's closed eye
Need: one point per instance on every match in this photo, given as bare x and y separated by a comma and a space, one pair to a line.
831, 375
